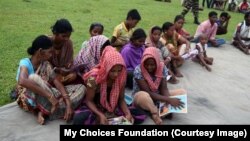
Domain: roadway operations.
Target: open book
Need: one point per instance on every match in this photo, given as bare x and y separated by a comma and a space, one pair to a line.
119, 121
165, 109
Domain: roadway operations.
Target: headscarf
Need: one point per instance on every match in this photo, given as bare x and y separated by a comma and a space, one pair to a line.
90, 55
152, 52
110, 57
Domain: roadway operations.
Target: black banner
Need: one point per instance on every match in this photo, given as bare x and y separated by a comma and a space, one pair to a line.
173, 132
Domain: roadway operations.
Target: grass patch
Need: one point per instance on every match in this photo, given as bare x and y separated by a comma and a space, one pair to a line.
23, 20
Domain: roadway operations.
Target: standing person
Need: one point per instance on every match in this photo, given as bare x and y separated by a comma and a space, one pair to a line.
124, 31
206, 1
105, 92
150, 84
194, 5
241, 38
94, 30
35, 77
209, 28
132, 53
62, 50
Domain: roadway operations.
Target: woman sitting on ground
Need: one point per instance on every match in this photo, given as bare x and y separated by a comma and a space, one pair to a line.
150, 85
62, 50
35, 77
105, 92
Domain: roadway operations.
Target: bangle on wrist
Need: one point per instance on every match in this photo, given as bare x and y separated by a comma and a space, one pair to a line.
50, 97
65, 97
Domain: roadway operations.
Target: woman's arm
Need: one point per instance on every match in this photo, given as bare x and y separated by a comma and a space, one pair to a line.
143, 85
124, 106
185, 41
163, 88
31, 85
69, 111
165, 92
65, 71
90, 95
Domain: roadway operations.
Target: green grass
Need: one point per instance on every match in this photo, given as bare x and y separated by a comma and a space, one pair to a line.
22, 20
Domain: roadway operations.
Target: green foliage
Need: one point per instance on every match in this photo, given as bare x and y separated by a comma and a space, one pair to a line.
22, 20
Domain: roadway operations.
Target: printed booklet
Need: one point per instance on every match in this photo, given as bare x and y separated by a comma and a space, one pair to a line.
119, 121
165, 109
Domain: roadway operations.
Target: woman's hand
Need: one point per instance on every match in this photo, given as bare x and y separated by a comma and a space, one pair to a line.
68, 113
213, 43
176, 103
167, 60
129, 118
187, 50
103, 120
62, 71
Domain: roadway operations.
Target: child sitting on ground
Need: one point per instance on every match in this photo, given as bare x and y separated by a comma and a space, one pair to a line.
124, 31
202, 57
94, 30
153, 40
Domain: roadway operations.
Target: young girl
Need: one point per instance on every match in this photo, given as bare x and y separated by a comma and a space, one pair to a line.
94, 30
176, 44
105, 92
178, 23
202, 57
153, 40
150, 84
35, 92
132, 53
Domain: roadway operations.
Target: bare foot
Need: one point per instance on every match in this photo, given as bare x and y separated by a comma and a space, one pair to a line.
54, 103
208, 68
247, 51
156, 119
173, 80
40, 118
209, 61
169, 116
178, 74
